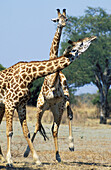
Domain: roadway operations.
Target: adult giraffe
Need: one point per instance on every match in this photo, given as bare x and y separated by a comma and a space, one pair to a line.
54, 94
15, 83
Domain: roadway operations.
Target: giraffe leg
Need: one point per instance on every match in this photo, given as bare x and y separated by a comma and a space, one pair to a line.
22, 117
2, 111
70, 117
71, 139
27, 151
9, 132
55, 136
39, 128
8, 157
69, 111
57, 112
1, 155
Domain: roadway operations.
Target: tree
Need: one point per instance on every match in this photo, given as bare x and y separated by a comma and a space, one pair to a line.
95, 64
34, 91
96, 100
1, 67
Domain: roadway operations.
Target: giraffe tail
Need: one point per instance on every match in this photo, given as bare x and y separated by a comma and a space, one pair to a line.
43, 133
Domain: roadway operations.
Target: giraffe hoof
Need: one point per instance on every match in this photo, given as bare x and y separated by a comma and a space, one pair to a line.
38, 163
71, 149
9, 165
26, 154
58, 159
71, 146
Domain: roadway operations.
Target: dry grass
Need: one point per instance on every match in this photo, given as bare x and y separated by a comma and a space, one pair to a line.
82, 113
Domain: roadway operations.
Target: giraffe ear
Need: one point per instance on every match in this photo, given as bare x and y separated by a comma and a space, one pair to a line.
64, 12
58, 11
55, 20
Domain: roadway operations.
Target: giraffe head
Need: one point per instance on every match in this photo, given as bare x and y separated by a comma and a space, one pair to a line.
61, 19
78, 47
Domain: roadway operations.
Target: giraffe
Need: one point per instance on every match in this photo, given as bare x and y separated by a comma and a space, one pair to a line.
15, 83
57, 90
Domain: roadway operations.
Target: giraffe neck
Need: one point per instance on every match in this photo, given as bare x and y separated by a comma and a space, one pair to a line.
29, 71
40, 69
55, 43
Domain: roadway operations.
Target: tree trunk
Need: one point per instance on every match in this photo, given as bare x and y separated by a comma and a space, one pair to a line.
104, 105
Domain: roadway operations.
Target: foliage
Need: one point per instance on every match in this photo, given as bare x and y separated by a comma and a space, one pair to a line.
34, 91
1, 67
72, 97
96, 99
87, 98
109, 95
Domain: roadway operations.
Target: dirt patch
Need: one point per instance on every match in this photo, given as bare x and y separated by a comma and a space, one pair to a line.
92, 148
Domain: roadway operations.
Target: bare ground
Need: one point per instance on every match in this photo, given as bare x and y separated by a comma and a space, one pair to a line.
92, 148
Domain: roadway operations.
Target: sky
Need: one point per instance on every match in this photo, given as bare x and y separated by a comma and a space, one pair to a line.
88, 88
26, 29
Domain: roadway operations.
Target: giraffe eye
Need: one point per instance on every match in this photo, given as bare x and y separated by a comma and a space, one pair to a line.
57, 20
81, 44
69, 47
74, 51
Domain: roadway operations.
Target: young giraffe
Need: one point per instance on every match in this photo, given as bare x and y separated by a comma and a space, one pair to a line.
54, 94
15, 84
